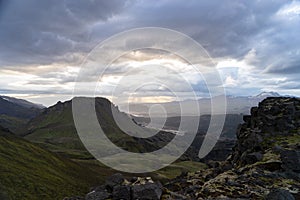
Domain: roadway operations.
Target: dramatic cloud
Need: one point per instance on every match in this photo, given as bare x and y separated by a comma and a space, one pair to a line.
44, 42
44, 32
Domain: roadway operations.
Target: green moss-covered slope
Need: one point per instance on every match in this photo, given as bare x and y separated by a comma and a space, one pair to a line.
30, 172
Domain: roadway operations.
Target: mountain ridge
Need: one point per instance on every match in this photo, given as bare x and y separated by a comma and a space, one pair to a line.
22, 102
55, 129
234, 104
15, 113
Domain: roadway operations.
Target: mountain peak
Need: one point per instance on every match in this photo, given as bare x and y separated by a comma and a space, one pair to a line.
22, 102
268, 94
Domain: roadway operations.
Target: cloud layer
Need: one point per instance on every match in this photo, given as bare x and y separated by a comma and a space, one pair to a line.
44, 42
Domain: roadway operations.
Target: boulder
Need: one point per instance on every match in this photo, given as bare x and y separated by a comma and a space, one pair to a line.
116, 179
290, 160
148, 191
121, 192
98, 195
280, 194
271, 165
251, 158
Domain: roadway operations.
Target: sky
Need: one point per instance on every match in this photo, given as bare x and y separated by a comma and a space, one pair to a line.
255, 46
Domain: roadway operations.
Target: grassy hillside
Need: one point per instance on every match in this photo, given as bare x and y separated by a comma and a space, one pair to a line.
30, 172
163, 175
12, 123
55, 130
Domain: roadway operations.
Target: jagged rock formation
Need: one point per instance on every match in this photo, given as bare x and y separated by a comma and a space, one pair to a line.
265, 163
270, 124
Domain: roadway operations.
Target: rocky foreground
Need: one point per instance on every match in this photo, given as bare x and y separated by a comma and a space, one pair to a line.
265, 164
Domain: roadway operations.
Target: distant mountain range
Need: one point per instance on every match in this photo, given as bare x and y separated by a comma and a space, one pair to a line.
22, 102
267, 94
235, 105
17, 112
18, 108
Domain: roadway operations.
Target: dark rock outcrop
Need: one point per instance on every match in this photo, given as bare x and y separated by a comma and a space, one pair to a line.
272, 123
148, 191
114, 180
264, 164
122, 192
116, 187
98, 195
279, 194
291, 160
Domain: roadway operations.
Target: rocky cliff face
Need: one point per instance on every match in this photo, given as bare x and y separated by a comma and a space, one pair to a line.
265, 163
272, 128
